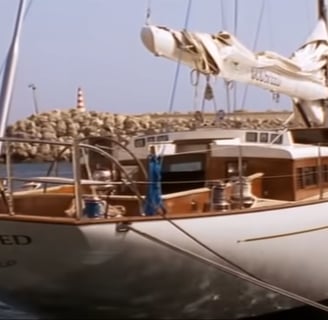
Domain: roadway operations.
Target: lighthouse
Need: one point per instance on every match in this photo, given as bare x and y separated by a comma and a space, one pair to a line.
80, 100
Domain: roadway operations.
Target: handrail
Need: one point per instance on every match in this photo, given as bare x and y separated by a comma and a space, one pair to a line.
60, 180
70, 144
77, 180
141, 166
105, 154
76, 146
9, 181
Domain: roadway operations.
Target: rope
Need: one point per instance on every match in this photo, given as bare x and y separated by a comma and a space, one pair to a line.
194, 80
208, 95
189, 235
227, 86
192, 43
195, 97
230, 271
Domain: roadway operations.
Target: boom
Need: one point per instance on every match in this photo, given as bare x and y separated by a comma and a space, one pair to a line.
224, 56
302, 77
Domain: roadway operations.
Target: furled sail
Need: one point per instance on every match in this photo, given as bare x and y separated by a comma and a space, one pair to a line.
302, 77
312, 57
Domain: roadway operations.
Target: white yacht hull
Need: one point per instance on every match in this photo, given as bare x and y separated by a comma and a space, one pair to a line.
51, 267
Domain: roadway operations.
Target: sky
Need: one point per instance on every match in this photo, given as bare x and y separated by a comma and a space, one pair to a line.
95, 44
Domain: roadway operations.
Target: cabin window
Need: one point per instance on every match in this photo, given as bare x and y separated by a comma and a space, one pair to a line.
325, 173
139, 143
251, 136
151, 139
163, 138
186, 166
311, 176
300, 184
276, 138
232, 169
264, 137
307, 177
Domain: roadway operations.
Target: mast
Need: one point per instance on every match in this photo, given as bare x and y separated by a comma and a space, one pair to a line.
10, 71
322, 10
322, 14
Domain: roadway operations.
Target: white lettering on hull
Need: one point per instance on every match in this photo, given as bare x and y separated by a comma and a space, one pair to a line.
14, 239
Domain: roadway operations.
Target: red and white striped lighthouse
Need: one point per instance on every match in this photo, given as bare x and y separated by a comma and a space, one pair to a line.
80, 100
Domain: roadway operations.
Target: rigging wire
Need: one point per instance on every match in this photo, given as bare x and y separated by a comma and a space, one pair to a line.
308, 11
176, 76
227, 84
257, 34
276, 96
177, 71
208, 248
235, 26
148, 12
271, 35
223, 20
24, 17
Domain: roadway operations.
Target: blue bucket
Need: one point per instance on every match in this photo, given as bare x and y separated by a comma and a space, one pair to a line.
93, 208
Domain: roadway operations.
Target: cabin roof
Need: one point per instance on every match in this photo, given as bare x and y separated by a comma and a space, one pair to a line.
254, 143
294, 151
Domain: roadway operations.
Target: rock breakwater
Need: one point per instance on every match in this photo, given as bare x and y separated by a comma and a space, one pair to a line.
65, 125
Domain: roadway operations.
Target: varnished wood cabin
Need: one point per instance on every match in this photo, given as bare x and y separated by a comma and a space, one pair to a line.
294, 163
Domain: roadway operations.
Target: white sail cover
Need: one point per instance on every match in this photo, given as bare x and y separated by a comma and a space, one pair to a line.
302, 77
312, 57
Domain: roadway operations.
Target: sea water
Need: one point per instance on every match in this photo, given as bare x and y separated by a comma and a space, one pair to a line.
30, 170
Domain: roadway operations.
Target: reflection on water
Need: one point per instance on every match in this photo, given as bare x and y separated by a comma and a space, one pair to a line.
304, 313
7, 312
30, 170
